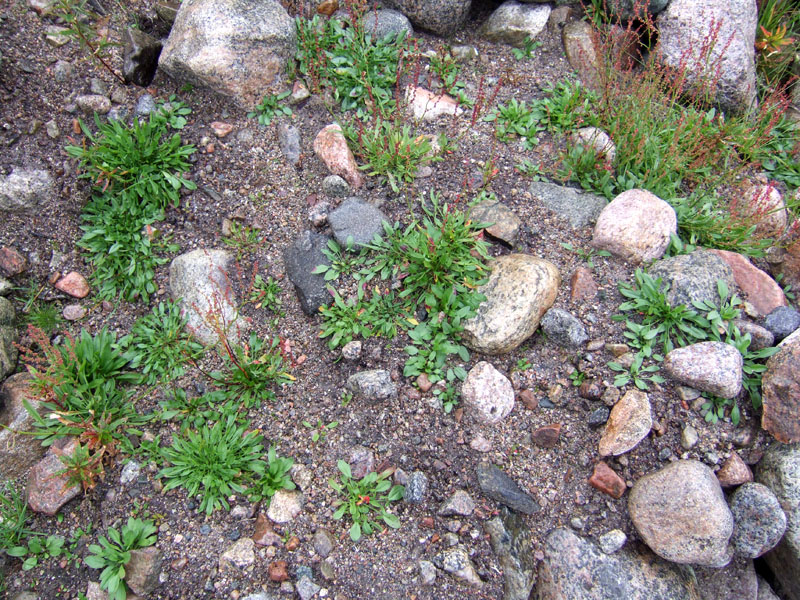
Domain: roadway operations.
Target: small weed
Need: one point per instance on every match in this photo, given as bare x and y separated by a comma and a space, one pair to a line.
528, 46
266, 295
82, 467
342, 320
174, 112
528, 169
320, 431
523, 364
13, 516
343, 261
276, 477
270, 107
114, 553
45, 316
364, 498
586, 255
640, 376
196, 411
38, 548
445, 67
449, 394
245, 240
517, 119
577, 377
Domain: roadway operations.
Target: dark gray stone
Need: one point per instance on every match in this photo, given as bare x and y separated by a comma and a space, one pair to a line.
782, 322
498, 486
356, 222
579, 209
624, 9
8, 336
442, 17
416, 488
736, 581
563, 328
598, 417
289, 140
385, 21
300, 259
512, 543
693, 277
758, 520
372, 385
140, 57
574, 568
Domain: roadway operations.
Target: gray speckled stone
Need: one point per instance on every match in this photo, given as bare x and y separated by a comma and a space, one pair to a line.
693, 277
385, 21
713, 367
782, 322
759, 520
564, 328
300, 259
416, 488
577, 208
356, 222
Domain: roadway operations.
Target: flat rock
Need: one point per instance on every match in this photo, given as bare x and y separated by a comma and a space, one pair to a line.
759, 520
139, 57
498, 486
710, 40
18, 452
300, 259
635, 226
574, 568
356, 222
736, 581
579, 209
681, 514
563, 328
460, 503
285, 506
693, 277
47, 491
779, 470
519, 291
782, 322
424, 105
201, 281
25, 189
504, 224
375, 385
238, 50
8, 338
628, 424
143, 570
758, 288
512, 22
780, 385
512, 543
456, 561
331, 147
73, 284
713, 367
582, 285
239, 556
488, 394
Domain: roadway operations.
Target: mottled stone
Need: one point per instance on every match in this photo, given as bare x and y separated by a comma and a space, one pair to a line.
736, 581
512, 543
758, 288
547, 436
734, 471
693, 277
300, 259
759, 520
582, 286
239, 556
713, 367
628, 424
424, 105
93, 103
25, 189
456, 562
442, 17
48, 491
355, 223
331, 147
563, 328
605, 479
780, 386
782, 322
372, 385
503, 223
579, 209
513, 22
285, 506
140, 57
385, 21
460, 503
143, 570
416, 488
595, 139
18, 452
579, 42
498, 486
74, 284
488, 394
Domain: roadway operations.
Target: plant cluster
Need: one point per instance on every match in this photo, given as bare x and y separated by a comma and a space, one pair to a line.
364, 498
776, 42
270, 107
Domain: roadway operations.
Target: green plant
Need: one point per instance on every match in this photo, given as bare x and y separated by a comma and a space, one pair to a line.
342, 261
779, 154
77, 18
82, 467
778, 20
515, 118
363, 498
159, 344
449, 394
577, 377
44, 316
566, 106
390, 150
753, 365
214, 462
173, 111
641, 376
523, 364
269, 108
586, 255
528, 46
246, 240
13, 516
114, 553
445, 67
529, 169
320, 431
196, 411
276, 477
37, 548
342, 320
266, 295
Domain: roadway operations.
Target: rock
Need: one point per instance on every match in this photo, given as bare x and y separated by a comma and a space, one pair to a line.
143, 570
488, 394
782, 322
361, 461
25, 189
74, 284
577, 208
352, 350
759, 520
18, 452
140, 57
285, 506
416, 488
780, 385
582, 286
93, 103
563, 328
519, 291
73, 312
238, 50
278, 571
764, 206
765, 591
736, 581
598, 417
635, 226
334, 186
512, 22
145, 105
48, 491
289, 141
575, 568
547, 436
779, 470
595, 139
63, 71
456, 562
239, 556
628, 9
681, 514
130, 472
760, 337
628, 424
503, 222
306, 588
612, 541
200, 281
512, 544
498, 486
221, 129
758, 288
264, 535
734, 471
300, 259
374, 385
427, 572
713, 367
689, 437
355, 223
5, 285
712, 41
8, 336
578, 39
442, 17
324, 542
694, 276
428, 106
382, 22
605, 479
460, 503
331, 147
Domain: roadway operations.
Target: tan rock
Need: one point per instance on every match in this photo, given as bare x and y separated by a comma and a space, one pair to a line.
628, 424
331, 147
734, 471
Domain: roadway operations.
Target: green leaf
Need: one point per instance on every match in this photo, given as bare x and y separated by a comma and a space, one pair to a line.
355, 532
